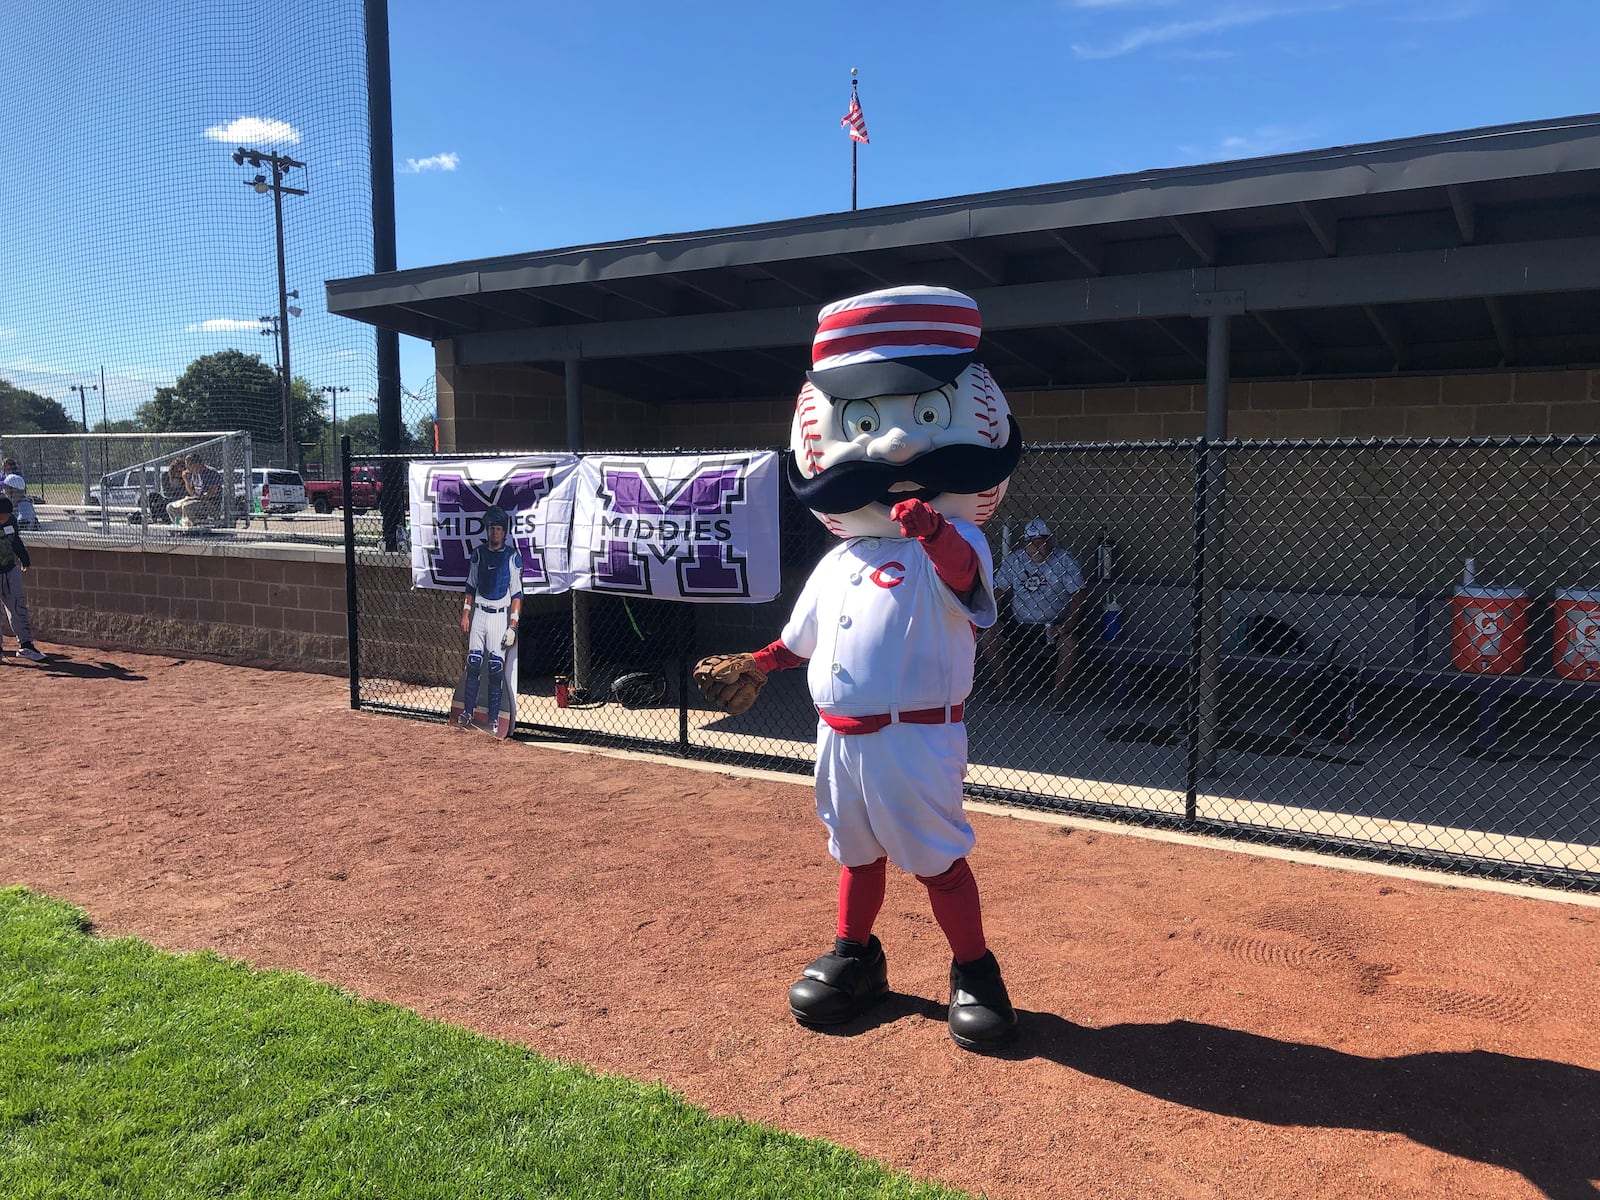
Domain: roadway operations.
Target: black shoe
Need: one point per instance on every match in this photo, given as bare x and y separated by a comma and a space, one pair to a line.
981, 1015
839, 986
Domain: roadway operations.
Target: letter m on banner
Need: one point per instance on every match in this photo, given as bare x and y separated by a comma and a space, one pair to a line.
681, 527
457, 494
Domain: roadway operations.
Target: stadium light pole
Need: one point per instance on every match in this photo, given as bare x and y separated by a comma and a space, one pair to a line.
333, 396
83, 390
280, 165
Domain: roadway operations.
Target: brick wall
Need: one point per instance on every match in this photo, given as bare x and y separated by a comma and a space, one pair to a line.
1482, 405
282, 604
526, 407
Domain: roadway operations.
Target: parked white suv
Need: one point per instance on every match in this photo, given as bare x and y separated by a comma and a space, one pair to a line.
272, 490
121, 490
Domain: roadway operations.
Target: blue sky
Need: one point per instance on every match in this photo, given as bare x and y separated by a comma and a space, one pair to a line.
523, 126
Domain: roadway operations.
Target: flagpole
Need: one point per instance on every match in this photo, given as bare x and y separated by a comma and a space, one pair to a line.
854, 100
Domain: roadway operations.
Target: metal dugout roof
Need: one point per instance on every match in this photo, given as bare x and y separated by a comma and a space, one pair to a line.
1459, 251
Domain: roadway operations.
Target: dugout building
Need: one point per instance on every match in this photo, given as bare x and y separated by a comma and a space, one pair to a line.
1297, 394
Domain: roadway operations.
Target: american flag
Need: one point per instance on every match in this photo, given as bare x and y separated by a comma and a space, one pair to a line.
854, 121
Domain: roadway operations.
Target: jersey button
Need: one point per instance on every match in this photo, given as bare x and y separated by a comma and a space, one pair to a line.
855, 579
844, 622
837, 668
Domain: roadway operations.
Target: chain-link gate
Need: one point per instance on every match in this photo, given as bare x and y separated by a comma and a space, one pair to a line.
1387, 648
131, 488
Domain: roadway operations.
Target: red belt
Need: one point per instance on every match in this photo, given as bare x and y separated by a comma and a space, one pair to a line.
918, 716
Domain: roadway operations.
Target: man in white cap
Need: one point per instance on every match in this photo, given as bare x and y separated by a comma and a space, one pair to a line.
1046, 589
15, 489
902, 448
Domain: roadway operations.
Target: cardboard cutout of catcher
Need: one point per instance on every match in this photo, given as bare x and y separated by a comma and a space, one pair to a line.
902, 446
486, 697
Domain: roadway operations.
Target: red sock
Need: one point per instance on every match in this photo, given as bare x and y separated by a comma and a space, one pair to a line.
860, 898
954, 896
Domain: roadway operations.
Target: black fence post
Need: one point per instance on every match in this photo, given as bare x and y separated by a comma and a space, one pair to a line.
683, 695
1197, 628
351, 622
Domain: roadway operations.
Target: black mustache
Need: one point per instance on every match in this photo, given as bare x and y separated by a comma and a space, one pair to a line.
965, 470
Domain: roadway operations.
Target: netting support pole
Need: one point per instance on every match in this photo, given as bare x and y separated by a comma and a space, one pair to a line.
572, 370
352, 625
380, 121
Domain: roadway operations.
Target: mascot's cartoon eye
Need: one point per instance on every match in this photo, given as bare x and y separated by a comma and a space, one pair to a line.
933, 408
858, 417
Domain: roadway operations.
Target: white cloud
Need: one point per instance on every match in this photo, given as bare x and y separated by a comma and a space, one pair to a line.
223, 325
1255, 143
447, 161
246, 131
1178, 31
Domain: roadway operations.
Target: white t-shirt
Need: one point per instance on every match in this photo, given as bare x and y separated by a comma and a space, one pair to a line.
1040, 591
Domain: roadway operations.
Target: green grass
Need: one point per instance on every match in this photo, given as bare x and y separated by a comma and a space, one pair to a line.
126, 1071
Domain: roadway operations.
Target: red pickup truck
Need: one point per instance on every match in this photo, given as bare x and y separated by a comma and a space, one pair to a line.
325, 495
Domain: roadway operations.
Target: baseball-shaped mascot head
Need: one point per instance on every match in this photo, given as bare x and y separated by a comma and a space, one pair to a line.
896, 408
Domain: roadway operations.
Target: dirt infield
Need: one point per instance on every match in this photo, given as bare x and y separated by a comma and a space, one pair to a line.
1195, 1022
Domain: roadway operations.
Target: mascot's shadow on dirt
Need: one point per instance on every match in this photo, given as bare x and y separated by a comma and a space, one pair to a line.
61, 667
1533, 1116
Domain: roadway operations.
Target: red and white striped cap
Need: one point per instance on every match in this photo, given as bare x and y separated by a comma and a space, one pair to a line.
893, 342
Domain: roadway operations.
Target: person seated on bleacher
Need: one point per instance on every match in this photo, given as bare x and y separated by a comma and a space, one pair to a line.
202, 501
15, 489
1046, 589
172, 488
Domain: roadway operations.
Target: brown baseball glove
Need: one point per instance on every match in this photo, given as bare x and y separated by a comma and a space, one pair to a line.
730, 681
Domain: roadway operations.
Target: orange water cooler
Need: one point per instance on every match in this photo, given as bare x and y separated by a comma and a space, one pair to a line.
1489, 630
1577, 648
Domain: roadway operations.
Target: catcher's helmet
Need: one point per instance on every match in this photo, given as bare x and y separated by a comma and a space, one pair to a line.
495, 515
639, 689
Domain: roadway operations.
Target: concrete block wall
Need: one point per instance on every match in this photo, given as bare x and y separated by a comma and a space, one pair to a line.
276, 604
482, 407
525, 408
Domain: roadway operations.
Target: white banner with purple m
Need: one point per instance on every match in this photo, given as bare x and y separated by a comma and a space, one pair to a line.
692, 527
449, 498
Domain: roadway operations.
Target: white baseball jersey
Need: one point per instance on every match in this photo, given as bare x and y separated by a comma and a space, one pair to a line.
883, 632
1040, 591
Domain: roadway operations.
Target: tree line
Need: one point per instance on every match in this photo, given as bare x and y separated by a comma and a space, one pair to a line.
225, 390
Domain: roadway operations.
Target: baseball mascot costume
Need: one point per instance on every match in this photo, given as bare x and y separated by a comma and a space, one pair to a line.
902, 448
490, 611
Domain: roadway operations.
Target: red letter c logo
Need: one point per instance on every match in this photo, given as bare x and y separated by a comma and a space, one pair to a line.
891, 574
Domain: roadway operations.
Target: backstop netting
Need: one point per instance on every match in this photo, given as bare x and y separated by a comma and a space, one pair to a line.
148, 150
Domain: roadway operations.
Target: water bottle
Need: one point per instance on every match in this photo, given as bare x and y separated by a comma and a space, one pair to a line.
561, 691
1111, 621
1469, 573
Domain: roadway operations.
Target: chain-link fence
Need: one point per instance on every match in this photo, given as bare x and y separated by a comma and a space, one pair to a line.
1389, 649
133, 487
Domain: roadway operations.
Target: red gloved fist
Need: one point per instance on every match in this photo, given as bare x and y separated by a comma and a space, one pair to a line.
917, 518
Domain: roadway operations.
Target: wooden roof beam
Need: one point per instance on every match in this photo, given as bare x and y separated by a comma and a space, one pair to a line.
1288, 340
989, 265
1086, 248
1193, 351
1504, 334
1201, 236
1465, 213
1324, 226
1398, 344
702, 282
